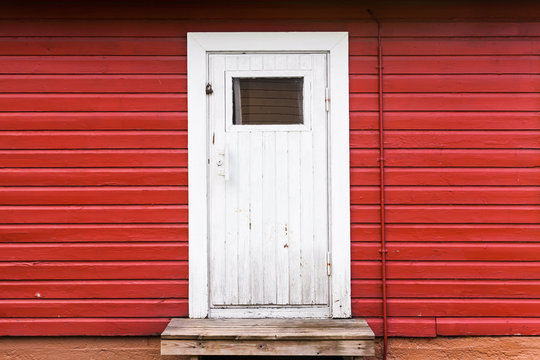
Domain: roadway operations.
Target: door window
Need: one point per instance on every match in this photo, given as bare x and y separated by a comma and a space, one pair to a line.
268, 101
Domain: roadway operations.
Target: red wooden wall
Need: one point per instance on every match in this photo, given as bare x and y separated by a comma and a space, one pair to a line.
93, 182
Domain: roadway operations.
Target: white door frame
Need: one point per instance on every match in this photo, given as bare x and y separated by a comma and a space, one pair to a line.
335, 44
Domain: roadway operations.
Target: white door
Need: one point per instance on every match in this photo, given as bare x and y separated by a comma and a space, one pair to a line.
268, 192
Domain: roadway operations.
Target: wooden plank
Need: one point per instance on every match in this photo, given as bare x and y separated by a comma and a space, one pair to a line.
448, 252
478, 64
282, 218
93, 270
179, 27
448, 270
93, 83
448, 139
94, 251
94, 289
405, 326
447, 83
445, 158
448, 46
93, 177
93, 102
93, 46
269, 211
94, 308
92, 232
103, 195
267, 329
94, 121
93, 214
447, 102
442, 120
521, 289
448, 176
392, 10
488, 326
82, 326
79, 64
440, 214
467, 195
93, 140
449, 232
165, 27
93, 158
448, 307
268, 347
462, 28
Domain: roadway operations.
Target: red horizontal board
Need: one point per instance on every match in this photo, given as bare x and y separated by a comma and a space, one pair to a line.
445, 120
488, 326
86, 177
94, 308
93, 65
175, 28
94, 121
93, 83
94, 232
141, 27
456, 251
448, 176
448, 289
93, 140
82, 326
468, 214
462, 28
415, 327
39, 270
447, 270
444, 158
93, 195
93, 158
444, 195
479, 64
93, 214
447, 102
238, 10
447, 307
88, 289
93, 102
448, 232
94, 251
93, 46
451, 46
446, 83
447, 139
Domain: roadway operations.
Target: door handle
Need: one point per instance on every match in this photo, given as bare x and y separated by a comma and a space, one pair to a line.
223, 163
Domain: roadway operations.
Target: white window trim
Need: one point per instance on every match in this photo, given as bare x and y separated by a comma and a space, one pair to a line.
335, 44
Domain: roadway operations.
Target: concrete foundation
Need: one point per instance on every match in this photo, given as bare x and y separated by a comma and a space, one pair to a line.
147, 348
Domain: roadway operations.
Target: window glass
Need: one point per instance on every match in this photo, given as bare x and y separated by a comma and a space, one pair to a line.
268, 101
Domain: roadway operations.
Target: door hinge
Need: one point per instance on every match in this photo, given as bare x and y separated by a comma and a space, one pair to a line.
209, 89
327, 99
328, 264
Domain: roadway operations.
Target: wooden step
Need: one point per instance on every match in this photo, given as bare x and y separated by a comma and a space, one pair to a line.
264, 337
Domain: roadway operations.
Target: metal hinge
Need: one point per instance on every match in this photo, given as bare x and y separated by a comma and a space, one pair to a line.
328, 264
327, 99
209, 89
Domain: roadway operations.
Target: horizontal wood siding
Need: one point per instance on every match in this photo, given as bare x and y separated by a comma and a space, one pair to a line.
93, 156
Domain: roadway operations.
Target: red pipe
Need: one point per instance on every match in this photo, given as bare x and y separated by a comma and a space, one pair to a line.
383, 249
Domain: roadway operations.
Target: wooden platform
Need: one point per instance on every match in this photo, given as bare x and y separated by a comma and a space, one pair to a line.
257, 337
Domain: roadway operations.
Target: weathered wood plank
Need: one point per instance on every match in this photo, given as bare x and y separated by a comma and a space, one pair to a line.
268, 329
270, 347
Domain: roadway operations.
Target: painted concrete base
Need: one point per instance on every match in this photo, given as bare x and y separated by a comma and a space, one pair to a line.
147, 348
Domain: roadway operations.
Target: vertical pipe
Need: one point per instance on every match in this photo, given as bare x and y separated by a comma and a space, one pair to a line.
383, 250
